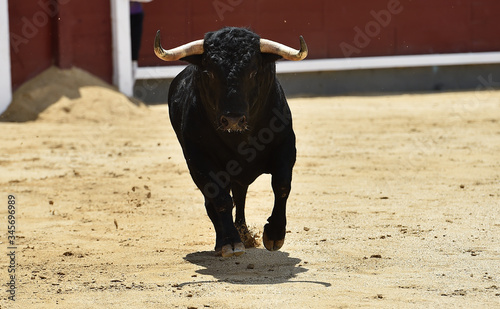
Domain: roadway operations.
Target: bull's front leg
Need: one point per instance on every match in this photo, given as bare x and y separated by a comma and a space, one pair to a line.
214, 183
274, 231
227, 239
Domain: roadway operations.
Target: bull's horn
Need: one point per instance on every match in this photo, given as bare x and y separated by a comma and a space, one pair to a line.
193, 48
271, 47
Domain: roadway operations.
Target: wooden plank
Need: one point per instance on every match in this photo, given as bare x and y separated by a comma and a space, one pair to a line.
347, 64
122, 54
5, 79
30, 40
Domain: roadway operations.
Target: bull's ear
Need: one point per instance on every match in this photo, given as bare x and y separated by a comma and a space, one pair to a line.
193, 59
267, 58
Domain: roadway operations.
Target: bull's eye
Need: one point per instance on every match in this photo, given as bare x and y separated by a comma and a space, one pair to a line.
208, 74
252, 74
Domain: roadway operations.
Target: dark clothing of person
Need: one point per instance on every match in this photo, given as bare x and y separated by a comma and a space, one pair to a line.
136, 19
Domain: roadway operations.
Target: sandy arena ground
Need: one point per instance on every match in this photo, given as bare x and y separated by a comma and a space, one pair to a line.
394, 204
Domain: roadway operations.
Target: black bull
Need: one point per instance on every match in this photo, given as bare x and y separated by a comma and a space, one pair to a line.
233, 122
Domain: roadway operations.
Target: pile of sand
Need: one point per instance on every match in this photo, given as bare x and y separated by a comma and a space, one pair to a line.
70, 95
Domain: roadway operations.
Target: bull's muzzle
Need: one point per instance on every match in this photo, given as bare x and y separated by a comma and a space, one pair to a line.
233, 123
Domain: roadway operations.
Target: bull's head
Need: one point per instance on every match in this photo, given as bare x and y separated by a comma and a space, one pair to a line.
234, 72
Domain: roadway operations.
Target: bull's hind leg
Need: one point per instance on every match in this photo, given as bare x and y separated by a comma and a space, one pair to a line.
239, 196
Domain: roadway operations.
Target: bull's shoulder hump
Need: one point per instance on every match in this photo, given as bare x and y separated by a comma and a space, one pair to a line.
183, 83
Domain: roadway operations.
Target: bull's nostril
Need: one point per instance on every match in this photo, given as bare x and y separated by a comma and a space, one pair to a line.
242, 121
224, 122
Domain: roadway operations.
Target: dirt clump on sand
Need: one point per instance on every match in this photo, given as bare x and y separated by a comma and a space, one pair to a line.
58, 95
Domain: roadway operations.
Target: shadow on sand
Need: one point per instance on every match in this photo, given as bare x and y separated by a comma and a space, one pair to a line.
256, 266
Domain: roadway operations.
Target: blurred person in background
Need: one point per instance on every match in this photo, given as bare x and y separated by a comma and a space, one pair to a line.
136, 21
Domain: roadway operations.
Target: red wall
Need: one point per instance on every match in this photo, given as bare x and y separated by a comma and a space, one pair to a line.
421, 26
31, 45
63, 32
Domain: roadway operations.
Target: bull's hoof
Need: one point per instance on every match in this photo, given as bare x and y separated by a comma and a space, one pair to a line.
239, 249
230, 250
273, 238
227, 251
272, 245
